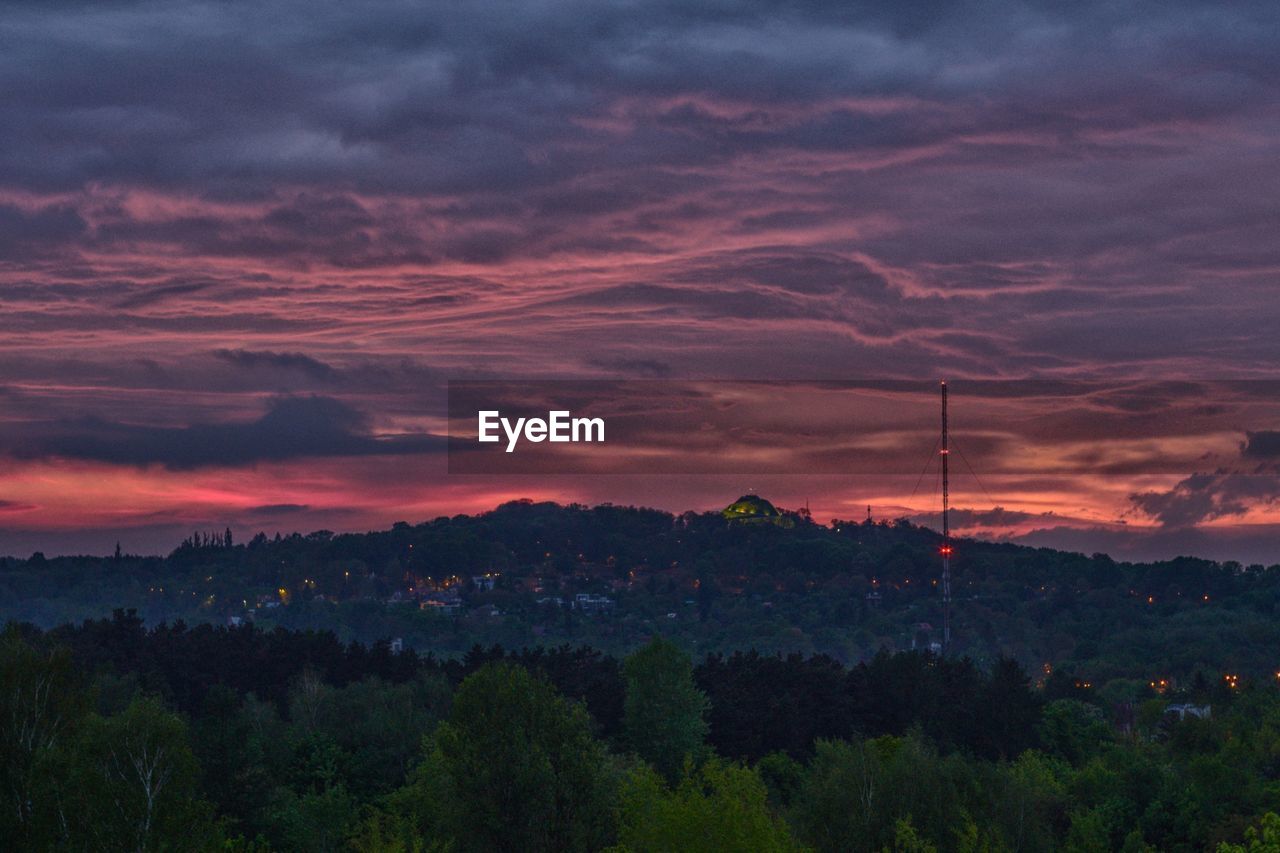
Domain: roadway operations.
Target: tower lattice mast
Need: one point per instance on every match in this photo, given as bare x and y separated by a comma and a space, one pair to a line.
946, 532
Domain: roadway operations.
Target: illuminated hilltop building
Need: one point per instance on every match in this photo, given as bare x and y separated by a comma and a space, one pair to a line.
753, 509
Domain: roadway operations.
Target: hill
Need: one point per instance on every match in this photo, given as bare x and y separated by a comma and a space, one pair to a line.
528, 574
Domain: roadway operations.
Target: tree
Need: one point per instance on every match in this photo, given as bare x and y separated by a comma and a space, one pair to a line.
718, 807
855, 794
234, 768
1031, 810
315, 821
1089, 833
1073, 730
907, 840
1011, 711
309, 698
515, 767
379, 728
1265, 839
135, 784
41, 705
782, 776
664, 716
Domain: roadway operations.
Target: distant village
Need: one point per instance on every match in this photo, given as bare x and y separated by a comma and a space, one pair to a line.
458, 595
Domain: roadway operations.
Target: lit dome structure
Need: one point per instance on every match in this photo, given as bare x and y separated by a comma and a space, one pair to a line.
753, 509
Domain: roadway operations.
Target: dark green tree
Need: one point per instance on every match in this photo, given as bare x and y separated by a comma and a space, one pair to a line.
856, 793
664, 717
719, 806
41, 706
133, 784
515, 767
1073, 730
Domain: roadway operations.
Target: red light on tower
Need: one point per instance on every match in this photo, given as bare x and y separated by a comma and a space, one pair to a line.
945, 550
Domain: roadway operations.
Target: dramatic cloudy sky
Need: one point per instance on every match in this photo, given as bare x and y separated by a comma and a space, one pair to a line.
243, 245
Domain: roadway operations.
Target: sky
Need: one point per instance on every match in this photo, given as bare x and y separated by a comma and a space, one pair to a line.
244, 247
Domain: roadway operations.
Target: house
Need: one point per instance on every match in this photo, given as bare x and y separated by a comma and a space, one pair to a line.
1202, 712
488, 611
484, 582
590, 603
445, 605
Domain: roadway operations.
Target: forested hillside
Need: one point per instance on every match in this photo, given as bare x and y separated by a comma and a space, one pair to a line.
610, 577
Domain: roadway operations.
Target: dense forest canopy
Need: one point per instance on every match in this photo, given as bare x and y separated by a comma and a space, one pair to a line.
114, 736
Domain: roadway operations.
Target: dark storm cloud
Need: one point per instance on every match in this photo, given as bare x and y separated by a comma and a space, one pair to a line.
1206, 497
292, 427
278, 509
1074, 159
1263, 444
292, 361
1246, 544
994, 517
408, 96
1251, 483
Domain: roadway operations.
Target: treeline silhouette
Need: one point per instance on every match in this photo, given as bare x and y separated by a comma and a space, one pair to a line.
115, 736
758, 703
